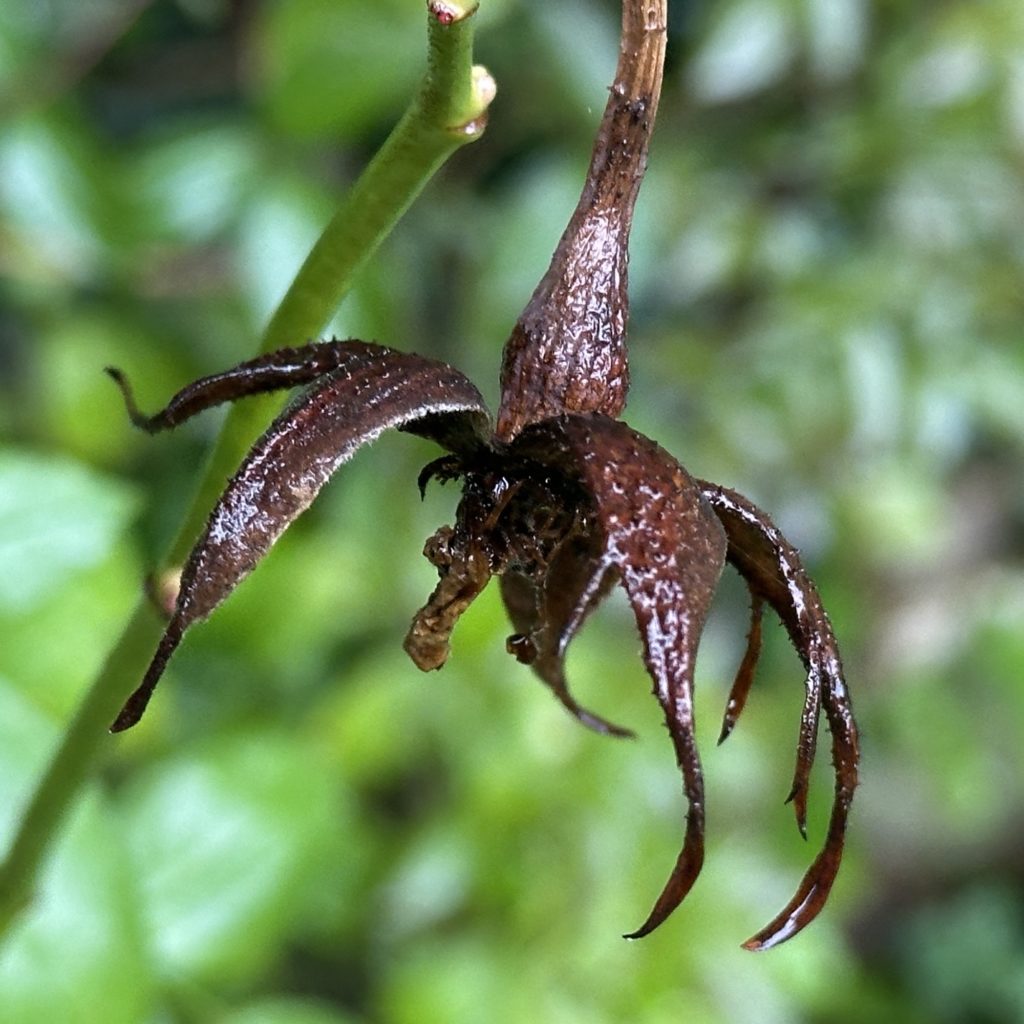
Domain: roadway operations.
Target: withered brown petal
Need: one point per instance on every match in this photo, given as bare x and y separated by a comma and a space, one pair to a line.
773, 571
370, 389
548, 616
273, 371
669, 550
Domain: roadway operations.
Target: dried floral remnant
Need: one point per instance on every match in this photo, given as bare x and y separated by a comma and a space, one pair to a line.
358, 391
562, 501
668, 549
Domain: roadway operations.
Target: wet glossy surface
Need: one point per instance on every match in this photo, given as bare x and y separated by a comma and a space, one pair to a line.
667, 547
562, 502
362, 390
567, 352
773, 572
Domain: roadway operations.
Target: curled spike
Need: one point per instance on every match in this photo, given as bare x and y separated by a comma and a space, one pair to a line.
805, 748
447, 467
745, 673
815, 886
274, 371
773, 571
139, 419
135, 705
669, 550
671, 609
679, 717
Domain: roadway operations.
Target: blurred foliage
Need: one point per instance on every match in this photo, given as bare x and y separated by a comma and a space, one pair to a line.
827, 313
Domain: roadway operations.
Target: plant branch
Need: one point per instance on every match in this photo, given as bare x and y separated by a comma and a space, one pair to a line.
449, 110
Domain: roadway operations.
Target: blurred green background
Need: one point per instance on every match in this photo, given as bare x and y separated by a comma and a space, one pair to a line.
827, 314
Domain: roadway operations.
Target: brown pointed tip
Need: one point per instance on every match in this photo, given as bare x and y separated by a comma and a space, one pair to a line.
138, 418
656, 917
123, 722
740, 690
620, 732
798, 798
601, 725
136, 704
118, 377
132, 710
810, 896
447, 467
595, 723
770, 937
680, 882
673, 895
134, 707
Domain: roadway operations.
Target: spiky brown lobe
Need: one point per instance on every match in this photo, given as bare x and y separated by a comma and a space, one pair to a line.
668, 547
547, 613
370, 389
773, 571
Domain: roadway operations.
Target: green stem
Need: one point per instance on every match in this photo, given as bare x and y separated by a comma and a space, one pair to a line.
449, 111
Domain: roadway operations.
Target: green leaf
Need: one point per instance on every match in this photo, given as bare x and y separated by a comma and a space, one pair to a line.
48, 197
288, 1011
225, 842
194, 181
326, 68
68, 958
56, 517
749, 49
